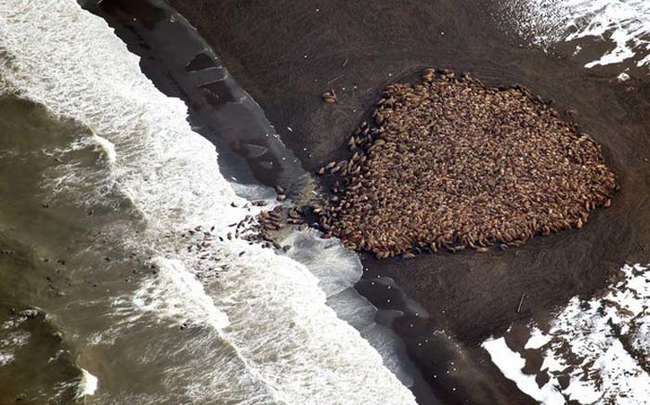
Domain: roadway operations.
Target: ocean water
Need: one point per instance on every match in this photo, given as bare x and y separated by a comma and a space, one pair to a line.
103, 180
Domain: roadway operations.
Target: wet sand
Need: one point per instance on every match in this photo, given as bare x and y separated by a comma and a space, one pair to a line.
286, 54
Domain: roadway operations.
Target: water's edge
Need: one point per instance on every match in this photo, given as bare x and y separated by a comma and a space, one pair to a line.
130, 202
181, 64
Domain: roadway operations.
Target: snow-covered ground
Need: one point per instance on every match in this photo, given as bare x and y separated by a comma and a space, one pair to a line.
594, 351
623, 24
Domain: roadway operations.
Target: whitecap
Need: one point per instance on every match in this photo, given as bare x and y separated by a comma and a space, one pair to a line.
87, 384
289, 345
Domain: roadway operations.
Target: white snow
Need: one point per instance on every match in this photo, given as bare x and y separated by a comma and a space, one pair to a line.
587, 342
625, 24
510, 363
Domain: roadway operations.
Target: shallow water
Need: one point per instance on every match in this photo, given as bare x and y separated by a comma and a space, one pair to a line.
109, 184
39, 361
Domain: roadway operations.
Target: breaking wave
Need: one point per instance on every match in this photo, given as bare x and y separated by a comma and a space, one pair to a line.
278, 340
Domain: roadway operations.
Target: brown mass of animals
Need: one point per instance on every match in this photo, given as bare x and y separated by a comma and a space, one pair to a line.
450, 163
264, 227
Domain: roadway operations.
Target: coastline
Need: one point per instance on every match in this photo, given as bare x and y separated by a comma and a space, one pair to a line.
468, 296
163, 44
96, 180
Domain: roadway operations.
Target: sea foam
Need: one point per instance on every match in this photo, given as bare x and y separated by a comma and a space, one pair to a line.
87, 385
289, 346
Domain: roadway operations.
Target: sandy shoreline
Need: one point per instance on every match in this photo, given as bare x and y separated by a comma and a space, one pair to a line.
358, 47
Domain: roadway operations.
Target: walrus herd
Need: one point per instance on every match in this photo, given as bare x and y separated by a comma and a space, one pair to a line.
450, 163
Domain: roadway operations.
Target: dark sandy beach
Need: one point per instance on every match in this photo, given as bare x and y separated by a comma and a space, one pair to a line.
287, 53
